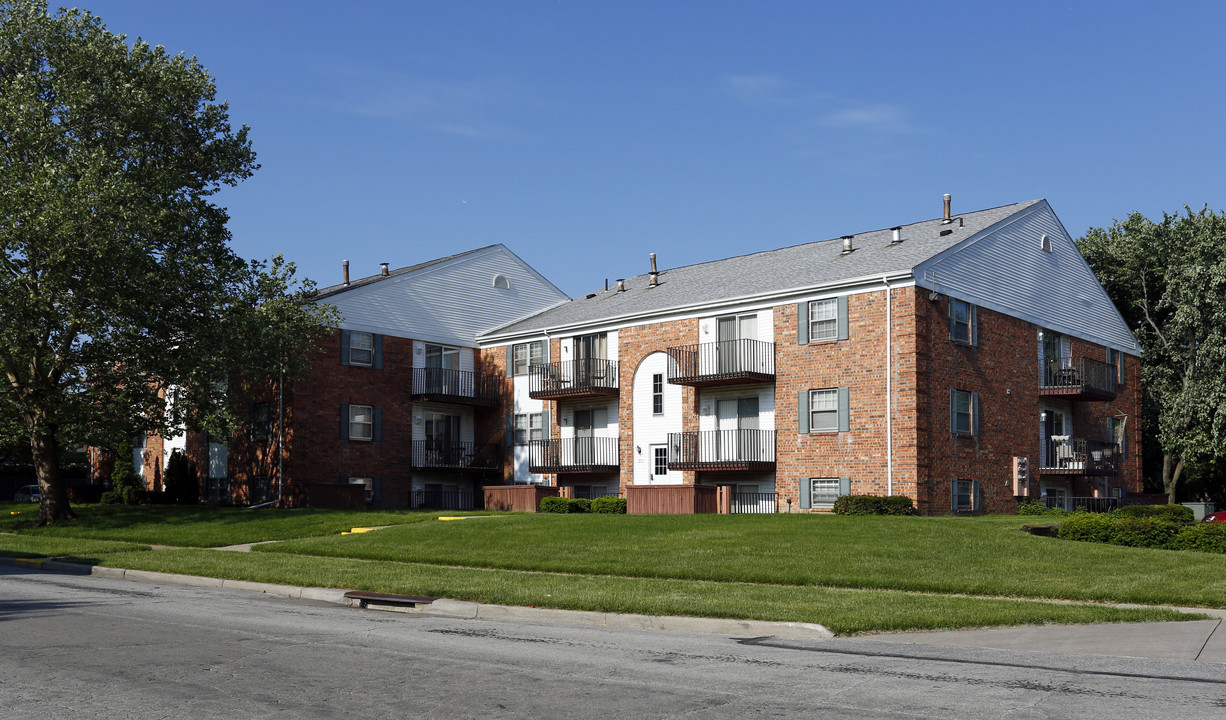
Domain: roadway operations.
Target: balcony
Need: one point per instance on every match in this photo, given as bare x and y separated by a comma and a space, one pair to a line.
455, 456
722, 450
585, 454
1078, 379
456, 386
727, 362
1066, 455
588, 377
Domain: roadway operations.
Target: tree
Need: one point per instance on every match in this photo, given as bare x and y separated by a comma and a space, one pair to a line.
122, 305
1168, 279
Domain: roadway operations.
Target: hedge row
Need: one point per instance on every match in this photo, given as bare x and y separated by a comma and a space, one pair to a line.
604, 505
1147, 532
874, 505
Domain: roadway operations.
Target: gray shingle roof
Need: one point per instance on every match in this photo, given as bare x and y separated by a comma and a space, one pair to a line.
332, 290
796, 268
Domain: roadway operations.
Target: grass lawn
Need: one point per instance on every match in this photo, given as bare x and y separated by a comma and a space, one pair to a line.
201, 525
841, 610
987, 556
852, 574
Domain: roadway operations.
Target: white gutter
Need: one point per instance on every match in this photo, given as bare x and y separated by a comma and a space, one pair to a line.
889, 385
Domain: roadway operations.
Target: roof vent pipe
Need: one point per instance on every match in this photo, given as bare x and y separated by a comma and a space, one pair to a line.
847, 244
896, 235
653, 279
621, 285
948, 202
383, 268
345, 267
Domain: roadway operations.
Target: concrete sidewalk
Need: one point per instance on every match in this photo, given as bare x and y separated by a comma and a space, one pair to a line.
1198, 640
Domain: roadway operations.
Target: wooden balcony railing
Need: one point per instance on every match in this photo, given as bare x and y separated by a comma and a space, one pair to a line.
1078, 379
587, 377
727, 362
722, 450
456, 386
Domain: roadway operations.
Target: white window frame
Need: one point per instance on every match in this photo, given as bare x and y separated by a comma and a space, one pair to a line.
359, 343
659, 453
528, 427
957, 488
828, 396
827, 495
657, 394
368, 482
823, 314
356, 423
957, 413
524, 356
956, 325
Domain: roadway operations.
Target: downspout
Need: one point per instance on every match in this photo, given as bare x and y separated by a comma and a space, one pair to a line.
889, 389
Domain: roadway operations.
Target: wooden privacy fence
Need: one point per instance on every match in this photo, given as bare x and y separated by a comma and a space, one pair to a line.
522, 498
671, 499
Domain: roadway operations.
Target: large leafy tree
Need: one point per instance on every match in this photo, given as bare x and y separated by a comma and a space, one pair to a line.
118, 288
1168, 279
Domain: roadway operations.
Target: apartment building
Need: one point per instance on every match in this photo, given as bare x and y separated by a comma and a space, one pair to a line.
962, 361
399, 409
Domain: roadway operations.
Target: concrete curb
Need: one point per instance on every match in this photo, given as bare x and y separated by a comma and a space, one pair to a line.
444, 607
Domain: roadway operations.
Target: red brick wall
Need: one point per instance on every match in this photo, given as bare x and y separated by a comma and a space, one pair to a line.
491, 421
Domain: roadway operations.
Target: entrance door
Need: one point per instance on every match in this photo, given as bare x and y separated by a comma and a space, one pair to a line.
591, 354
737, 428
1056, 443
735, 355
442, 439
443, 369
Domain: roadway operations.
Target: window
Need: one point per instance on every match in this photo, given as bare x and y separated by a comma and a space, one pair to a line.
361, 422
369, 483
657, 394
961, 321
261, 421
963, 412
259, 489
823, 320
823, 492
659, 461
1115, 359
529, 427
824, 410
524, 356
964, 495
361, 349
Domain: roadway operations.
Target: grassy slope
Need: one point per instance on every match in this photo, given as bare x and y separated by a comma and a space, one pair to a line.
976, 556
843, 611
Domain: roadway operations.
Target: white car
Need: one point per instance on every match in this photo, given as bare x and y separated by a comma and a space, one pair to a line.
28, 493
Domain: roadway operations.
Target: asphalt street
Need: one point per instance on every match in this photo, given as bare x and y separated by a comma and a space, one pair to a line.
94, 647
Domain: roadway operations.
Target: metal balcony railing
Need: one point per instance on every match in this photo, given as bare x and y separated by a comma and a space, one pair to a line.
443, 499
573, 378
753, 503
576, 454
1077, 456
464, 386
1082, 378
1090, 504
722, 363
722, 450
454, 456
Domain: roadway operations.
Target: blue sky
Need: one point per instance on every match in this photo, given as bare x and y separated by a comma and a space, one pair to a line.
584, 135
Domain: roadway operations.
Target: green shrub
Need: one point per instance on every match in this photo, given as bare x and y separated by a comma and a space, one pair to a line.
555, 504
609, 505
1037, 507
182, 485
1146, 532
1088, 527
873, 505
580, 505
110, 498
1172, 513
1202, 537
